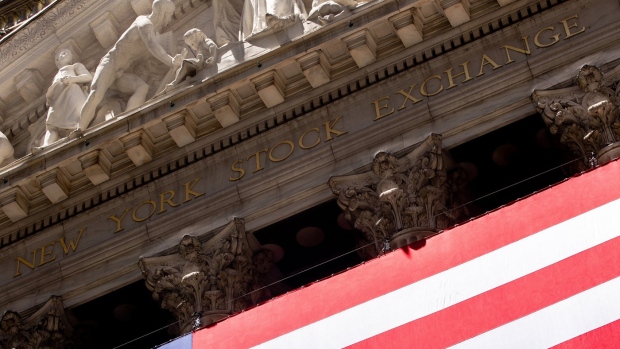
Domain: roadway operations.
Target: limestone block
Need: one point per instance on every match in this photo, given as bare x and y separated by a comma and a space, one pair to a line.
14, 204
407, 28
270, 88
54, 185
104, 27
505, 2
2, 110
141, 7
138, 148
29, 84
225, 107
362, 48
457, 12
315, 68
179, 129
93, 169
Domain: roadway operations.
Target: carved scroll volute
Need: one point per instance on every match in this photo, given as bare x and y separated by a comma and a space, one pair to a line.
205, 281
48, 328
585, 117
401, 200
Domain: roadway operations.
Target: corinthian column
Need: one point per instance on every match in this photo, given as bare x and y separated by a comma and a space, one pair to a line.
401, 200
205, 281
47, 328
586, 117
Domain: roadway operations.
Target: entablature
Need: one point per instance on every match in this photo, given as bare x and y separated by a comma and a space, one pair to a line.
197, 121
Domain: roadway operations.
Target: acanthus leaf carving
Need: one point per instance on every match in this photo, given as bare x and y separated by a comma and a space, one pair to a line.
206, 281
399, 201
586, 117
47, 328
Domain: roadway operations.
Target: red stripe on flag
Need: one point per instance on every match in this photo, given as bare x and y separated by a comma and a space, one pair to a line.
604, 337
401, 268
507, 302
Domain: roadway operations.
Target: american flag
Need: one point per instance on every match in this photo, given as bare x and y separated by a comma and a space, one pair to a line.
542, 272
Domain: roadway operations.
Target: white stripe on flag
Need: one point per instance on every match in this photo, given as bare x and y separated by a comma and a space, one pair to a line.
455, 285
555, 324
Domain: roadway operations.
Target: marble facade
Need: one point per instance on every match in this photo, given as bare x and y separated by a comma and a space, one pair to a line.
257, 132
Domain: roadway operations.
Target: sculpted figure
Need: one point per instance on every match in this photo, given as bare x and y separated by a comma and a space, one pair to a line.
65, 97
204, 49
6, 151
325, 10
261, 15
132, 46
227, 20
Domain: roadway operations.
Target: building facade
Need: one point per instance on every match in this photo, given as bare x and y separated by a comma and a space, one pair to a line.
167, 164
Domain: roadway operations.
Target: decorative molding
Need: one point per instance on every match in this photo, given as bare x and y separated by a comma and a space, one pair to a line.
23, 40
29, 84
104, 28
585, 117
138, 147
400, 201
204, 282
226, 108
362, 48
14, 204
47, 328
54, 185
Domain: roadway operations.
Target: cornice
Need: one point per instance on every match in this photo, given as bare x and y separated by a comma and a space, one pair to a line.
192, 107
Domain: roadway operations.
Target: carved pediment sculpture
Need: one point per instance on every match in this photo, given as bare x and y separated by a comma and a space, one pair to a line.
585, 117
47, 328
401, 200
326, 11
205, 52
138, 42
65, 97
204, 282
263, 17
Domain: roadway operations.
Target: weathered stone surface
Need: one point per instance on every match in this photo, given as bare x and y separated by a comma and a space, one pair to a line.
206, 281
400, 201
585, 117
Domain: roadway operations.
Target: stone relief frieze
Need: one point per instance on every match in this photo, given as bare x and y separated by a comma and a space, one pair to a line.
586, 117
400, 201
43, 27
204, 282
48, 328
326, 11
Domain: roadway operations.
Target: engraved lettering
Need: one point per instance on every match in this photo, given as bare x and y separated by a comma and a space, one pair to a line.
189, 192
72, 245
26, 263
378, 107
329, 129
291, 148
555, 38
318, 139
408, 96
451, 77
525, 51
163, 201
258, 165
574, 25
118, 221
46, 252
487, 60
423, 90
237, 169
142, 219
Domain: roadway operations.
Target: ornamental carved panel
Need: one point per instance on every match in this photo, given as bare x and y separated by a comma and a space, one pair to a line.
205, 281
586, 117
401, 200
47, 328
